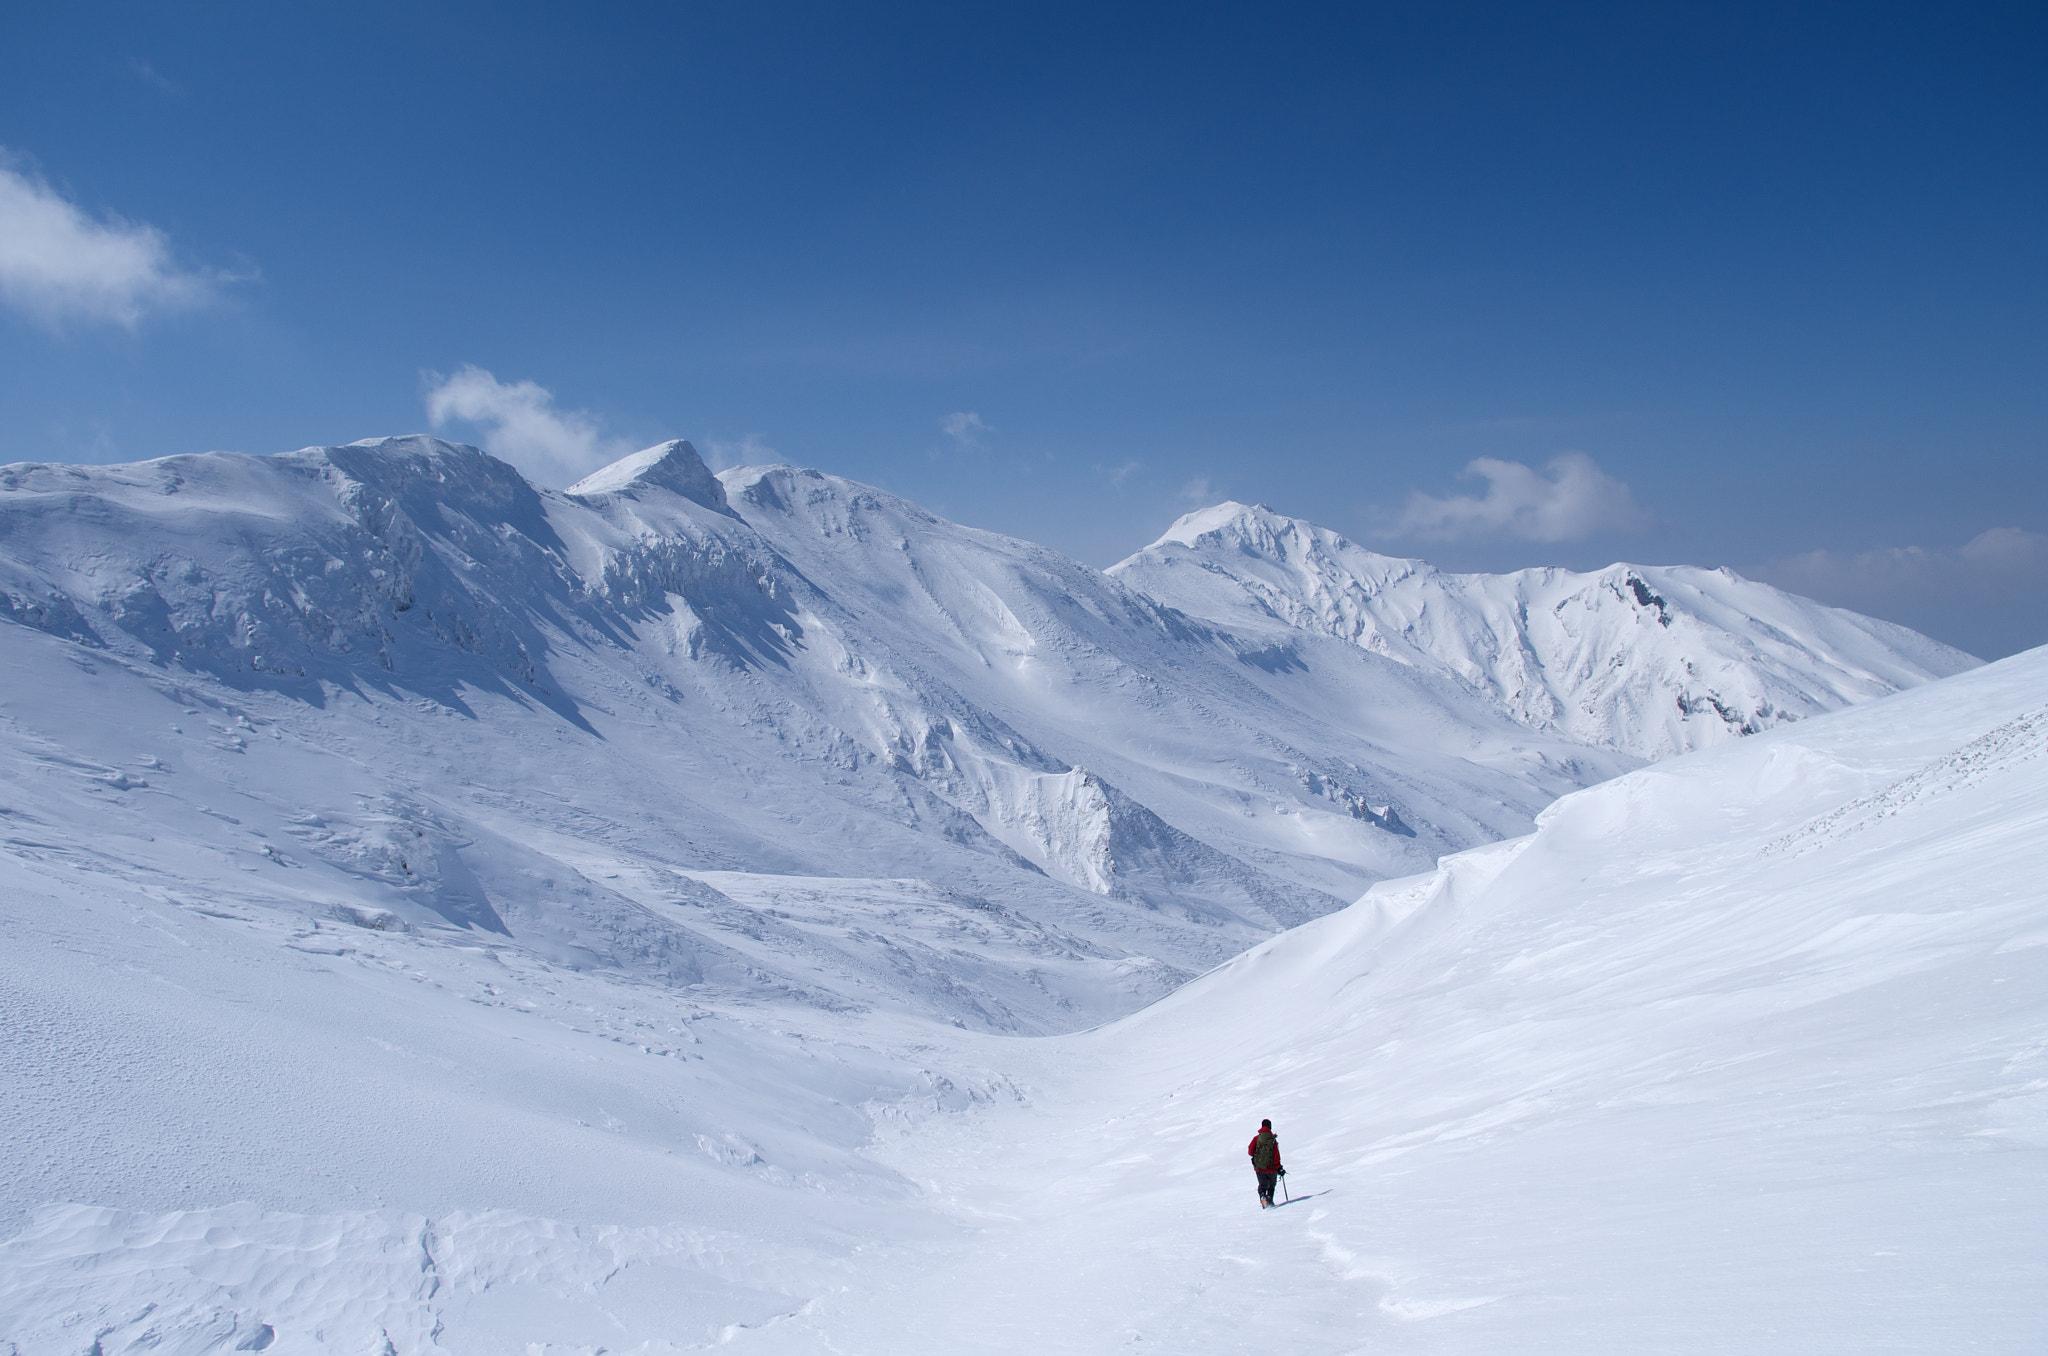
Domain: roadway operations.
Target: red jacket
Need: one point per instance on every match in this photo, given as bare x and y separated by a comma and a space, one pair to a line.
1253, 1149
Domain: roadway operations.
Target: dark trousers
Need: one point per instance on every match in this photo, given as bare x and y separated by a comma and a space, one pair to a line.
1266, 1180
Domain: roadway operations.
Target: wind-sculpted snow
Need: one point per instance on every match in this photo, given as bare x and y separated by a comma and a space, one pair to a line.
1647, 660
489, 1282
2019, 740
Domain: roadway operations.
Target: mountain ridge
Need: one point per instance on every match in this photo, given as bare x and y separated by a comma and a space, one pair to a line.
1745, 656
807, 675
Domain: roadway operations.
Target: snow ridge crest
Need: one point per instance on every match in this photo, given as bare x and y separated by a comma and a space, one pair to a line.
674, 466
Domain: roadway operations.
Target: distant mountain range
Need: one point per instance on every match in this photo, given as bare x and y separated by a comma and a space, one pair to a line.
561, 713
1650, 660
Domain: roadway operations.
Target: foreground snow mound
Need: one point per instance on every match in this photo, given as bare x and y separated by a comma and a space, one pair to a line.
1646, 659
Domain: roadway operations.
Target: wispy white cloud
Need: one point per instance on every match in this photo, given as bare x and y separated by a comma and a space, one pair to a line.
156, 80
965, 427
1197, 493
520, 424
1119, 474
1569, 499
722, 454
58, 264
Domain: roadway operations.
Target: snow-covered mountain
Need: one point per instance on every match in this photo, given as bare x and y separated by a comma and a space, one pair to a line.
775, 672
771, 674
445, 916
1649, 660
1740, 1051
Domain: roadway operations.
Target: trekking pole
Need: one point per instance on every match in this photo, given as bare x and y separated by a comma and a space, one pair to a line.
1284, 1197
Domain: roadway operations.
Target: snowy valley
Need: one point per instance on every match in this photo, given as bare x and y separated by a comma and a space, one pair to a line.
451, 916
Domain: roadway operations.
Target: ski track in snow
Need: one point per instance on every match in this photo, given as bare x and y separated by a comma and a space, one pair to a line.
648, 923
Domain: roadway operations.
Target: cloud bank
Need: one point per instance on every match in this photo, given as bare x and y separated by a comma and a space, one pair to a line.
1569, 500
1988, 596
58, 264
520, 424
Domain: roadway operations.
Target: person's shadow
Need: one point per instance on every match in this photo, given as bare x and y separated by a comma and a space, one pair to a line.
1292, 1200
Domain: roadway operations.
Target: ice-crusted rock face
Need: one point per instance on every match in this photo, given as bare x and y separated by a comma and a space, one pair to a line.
1649, 660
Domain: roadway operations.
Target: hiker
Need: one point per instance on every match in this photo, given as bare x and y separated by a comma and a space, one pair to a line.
1265, 1152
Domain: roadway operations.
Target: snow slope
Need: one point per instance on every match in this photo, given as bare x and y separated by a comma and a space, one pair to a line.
1747, 1050
1650, 660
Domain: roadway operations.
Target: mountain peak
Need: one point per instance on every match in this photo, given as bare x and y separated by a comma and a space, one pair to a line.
1191, 527
1254, 529
673, 466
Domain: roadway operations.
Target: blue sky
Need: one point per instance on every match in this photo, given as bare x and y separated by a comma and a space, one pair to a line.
1494, 285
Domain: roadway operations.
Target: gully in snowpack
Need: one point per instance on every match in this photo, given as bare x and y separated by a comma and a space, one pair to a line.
1265, 1152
